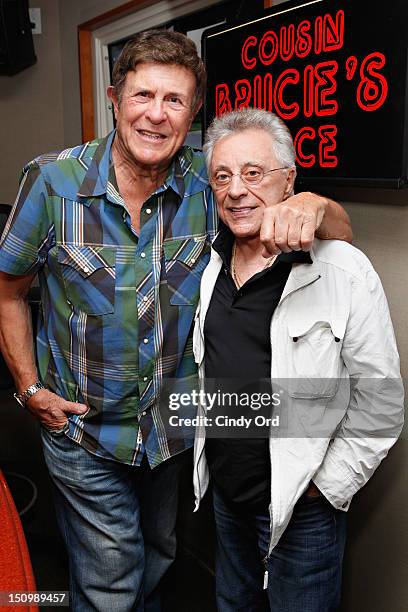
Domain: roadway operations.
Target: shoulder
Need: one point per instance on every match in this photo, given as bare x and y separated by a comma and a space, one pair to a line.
341, 256
192, 162
65, 169
78, 154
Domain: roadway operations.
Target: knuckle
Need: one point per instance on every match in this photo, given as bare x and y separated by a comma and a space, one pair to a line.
306, 244
285, 210
294, 244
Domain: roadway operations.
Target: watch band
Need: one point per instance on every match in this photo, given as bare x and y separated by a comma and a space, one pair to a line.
29, 392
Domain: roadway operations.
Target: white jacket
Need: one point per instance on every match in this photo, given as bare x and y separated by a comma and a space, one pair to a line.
332, 325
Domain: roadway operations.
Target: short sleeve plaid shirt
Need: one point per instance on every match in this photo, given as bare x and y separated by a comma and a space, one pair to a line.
117, 308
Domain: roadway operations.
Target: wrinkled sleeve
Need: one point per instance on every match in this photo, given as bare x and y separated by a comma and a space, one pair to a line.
374, 417
29, 232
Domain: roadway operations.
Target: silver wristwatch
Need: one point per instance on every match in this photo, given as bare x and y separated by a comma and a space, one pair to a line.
23, 397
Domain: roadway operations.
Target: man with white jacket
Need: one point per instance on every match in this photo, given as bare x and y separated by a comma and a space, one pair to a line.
317, 325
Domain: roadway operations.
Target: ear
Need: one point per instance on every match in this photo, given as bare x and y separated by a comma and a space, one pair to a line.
290, 182
113, 98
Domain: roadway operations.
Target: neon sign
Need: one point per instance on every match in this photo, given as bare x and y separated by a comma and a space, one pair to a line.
327, 71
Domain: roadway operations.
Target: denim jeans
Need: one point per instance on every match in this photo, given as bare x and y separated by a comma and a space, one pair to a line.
304, 569
118, 524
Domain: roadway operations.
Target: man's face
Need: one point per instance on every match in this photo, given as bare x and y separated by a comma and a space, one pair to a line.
154, 114
241, 206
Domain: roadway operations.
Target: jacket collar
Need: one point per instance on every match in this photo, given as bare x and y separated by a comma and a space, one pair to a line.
302, 275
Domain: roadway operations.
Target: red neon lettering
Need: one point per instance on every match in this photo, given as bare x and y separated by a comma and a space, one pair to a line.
286, 111
318, 38
258, 97
333, 32
243, 93
269, 38
305, 133
372, 91
303, 40
327, 145
326, 85
351, 67
248, 63
268, 92
222, 100
263, 92
287, 42
308, 91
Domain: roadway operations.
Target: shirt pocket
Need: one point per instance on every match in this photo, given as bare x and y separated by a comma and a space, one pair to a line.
315, 363
89, 277
184, 263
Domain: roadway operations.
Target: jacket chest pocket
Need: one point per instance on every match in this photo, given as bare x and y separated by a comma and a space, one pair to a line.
184, 263
314, 356
89, 277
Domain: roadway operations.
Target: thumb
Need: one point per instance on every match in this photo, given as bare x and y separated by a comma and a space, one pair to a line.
75, 408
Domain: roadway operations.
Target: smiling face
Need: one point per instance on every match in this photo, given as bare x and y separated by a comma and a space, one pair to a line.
154, 114
241, 206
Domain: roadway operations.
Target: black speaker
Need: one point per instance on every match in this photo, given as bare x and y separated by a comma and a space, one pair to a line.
16, 39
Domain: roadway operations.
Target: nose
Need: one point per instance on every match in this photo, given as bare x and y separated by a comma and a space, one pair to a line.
155, 111
237, 188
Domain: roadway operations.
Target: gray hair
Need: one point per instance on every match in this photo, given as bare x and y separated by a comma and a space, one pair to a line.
251, 118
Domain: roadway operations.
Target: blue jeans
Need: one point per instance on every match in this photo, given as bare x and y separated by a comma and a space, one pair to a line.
304, 569
118, 524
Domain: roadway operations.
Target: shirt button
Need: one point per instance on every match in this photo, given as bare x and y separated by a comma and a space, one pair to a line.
142, 255
143, 414
144, 378
148, 211
86, 269
145, 340
193, 260
145, 299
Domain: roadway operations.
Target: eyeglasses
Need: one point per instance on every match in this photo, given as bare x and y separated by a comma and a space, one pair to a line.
252, 175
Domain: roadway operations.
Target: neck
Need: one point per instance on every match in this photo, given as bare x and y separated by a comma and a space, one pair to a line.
247, 259
133, 176
250, 248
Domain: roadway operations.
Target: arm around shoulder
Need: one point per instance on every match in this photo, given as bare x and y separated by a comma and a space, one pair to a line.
335, 224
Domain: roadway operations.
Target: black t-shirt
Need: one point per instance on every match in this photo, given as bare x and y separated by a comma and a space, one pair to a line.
238, 347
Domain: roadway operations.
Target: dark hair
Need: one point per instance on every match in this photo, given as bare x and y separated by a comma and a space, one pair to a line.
162, 47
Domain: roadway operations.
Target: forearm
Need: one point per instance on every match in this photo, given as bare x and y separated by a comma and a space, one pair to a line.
335, 224
17, 346
16, 341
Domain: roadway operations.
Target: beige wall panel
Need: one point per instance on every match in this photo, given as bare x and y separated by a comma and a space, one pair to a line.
31, 106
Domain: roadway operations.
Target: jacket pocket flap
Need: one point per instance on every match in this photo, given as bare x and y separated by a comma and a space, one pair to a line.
304, 325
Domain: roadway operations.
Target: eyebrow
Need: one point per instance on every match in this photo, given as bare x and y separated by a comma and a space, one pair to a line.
245, 165
222, 167
176, 93
136, 88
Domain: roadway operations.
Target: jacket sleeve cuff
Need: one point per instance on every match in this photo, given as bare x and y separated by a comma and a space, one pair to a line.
335, 484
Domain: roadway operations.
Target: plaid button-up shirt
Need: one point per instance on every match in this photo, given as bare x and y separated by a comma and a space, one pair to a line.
117, 308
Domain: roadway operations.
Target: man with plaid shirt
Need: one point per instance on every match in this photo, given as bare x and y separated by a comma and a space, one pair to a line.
119, 232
